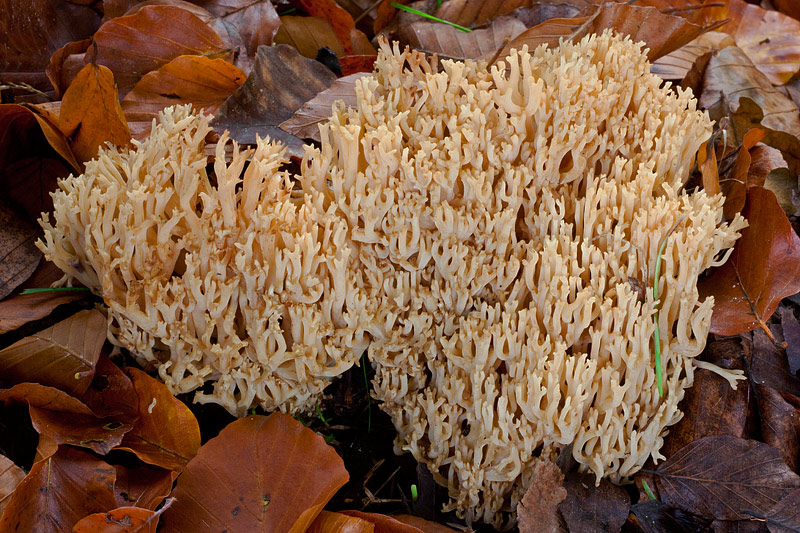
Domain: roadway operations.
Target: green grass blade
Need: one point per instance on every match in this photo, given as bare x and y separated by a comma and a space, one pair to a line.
430, 17
56, 289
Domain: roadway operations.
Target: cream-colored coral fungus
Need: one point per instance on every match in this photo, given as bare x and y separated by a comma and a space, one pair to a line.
503, 219
223, 278
481, 231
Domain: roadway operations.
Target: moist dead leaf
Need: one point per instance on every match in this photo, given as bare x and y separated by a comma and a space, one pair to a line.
306, 120
91, 114
62, 356
263, 101
19, 256
259, 474
198, 80
785, 516
167, 433
538, 510
308, 35
120, 520
726, 478
59, 491
768, 365
791, 334
657, 517
591, 508
780, 423
10, 477
133, 45
763, 268
450, 43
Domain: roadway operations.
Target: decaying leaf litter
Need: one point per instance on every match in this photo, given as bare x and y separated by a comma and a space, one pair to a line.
77, 408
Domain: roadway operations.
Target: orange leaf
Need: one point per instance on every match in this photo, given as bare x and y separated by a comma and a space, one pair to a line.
339, 18
308, 35
708, 168
328, 522
59, 491
399, 523
120, 520
65, 63
763, 269
198, 80
10, 477
143, 486
167, 433
133, 45
91, 114
735, 185
259, 474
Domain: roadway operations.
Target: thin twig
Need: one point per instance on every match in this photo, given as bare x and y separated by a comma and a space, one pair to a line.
24, 87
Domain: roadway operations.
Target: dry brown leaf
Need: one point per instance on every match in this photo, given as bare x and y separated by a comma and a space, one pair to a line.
538, 510
255, 20
133, 45
339, 18
10, 477
65, 64
591, 507
143, 486
425, 526
328, 522
62, 356
23, 308
305, 121
19, 256
91, 114
120, 520
677, 64
707, 161
733, 87
198, 80
472, 13
769, 38
263, 101
399, 523
448, 42
308, 35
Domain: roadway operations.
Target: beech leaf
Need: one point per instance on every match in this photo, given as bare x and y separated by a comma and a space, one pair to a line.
59, 491
308, 35
340, 19
763, 268
120, 520
143, 486
328, 522
399, 523
785, 516
593, 508
19, 256
726, 478
167, 433
449, 42
538, 510
62, 356
91, 114
10, 476
259, 474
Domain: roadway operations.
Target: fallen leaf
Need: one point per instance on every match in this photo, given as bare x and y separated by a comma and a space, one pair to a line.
451, 43
263, 101
51, 128
725, 477
65, 63
255, 20
133, 45
59, 491
657, 517
167, 433
593, 508
425, 526
205, 83
61, 356
18, 251
120, 520
791, 334
32, 31
733, 87
785, 516
471, 13
67, 420
143, 486
769, 38
768, 364
677, 64
399, 523
538, 510
328, 522
10, 476
738, 526
780, 423
259, 474
306, 120
308, 35
356, 64
539, 13
111, 392
711, 406
339, 18
707, 161
790, 7
763, 268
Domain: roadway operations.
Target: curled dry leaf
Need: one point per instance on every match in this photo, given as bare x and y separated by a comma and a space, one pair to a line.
167, 433
143, 486
538, 510
255, 20
259, 474
91, 114
399, 523
733, 87
18, 251
763, 268
448, 42
198, 80
59, 491
305, 121
308, 35
726, 478
328, 522
264, 101
593, 508
65, 64
33, 30
62, 356
67, 420
133, 45
769, 38
120, 520
10, 476
677, 64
